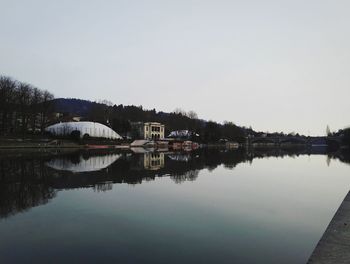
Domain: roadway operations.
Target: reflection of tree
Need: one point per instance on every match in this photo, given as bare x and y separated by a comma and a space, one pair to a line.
343, 154
187, 176
23, 185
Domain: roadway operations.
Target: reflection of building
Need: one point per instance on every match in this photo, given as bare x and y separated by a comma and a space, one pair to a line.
153, 161
148, 130
180, 157
93, 163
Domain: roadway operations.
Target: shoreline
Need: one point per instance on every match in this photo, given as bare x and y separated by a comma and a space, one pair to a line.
333, 247
19, 147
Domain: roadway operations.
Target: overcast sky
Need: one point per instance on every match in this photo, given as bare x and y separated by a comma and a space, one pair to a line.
273, 65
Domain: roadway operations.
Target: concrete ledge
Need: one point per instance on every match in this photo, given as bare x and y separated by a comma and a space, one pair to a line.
334, 246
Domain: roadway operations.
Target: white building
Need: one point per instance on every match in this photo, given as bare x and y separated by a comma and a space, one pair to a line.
182, 134
90, 129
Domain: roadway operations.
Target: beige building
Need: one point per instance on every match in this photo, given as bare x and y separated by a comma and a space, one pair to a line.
149, 130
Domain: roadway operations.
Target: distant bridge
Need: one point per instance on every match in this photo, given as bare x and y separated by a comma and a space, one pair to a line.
293, 140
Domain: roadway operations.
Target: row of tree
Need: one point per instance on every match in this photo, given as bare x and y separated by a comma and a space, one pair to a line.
24, 108
346, 136
120, 117
27, 109
343, 134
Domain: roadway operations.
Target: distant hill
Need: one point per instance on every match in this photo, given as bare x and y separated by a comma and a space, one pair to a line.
73, 106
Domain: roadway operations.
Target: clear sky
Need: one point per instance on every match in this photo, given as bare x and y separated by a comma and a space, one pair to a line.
273, 65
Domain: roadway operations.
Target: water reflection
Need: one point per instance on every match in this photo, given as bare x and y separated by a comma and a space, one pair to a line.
31, 180
83, 163
24, 183
152, 161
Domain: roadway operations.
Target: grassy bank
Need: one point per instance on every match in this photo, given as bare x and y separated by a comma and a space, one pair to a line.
41, 142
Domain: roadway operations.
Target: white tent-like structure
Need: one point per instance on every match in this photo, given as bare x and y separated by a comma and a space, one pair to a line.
90, 129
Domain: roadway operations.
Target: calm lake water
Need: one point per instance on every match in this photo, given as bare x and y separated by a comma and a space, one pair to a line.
207, 206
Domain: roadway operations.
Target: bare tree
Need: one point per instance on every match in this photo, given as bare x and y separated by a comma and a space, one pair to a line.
21, 105
192, 114
7, 103
36, 100
45, 109
106, 102
180, 111
24, 100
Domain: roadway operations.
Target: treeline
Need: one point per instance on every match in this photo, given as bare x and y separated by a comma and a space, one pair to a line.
346, 139
344, 134
24, 108
119, 118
